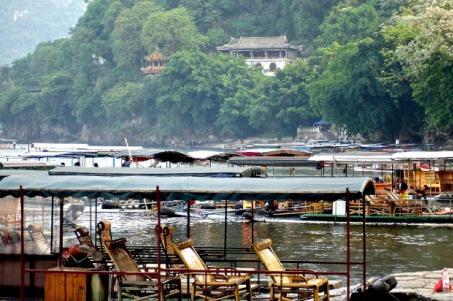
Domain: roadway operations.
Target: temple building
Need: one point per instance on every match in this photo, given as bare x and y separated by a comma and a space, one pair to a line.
270, 53
155, 64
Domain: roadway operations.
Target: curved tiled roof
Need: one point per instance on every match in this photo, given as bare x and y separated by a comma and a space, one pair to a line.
276, 42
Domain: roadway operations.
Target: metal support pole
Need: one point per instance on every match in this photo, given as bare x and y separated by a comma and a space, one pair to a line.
159, 296
348, 246
91, 216
61, 226
188, 219
95, 221
51, 224
253, 223
225, 231
364, 243
22, 247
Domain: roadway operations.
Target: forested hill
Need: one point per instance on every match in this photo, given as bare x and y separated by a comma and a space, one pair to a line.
26, 23
378, 68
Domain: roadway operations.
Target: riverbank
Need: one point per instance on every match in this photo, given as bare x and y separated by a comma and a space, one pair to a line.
411, 286
422, 284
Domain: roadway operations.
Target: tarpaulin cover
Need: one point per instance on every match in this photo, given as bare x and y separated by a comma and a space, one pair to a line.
176, 171
187, 188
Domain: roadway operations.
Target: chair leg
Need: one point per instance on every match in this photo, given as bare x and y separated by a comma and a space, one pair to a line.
236, 293
249, 290
326, 292
315, 294
179, 290
120, 293
271, 293
192, 294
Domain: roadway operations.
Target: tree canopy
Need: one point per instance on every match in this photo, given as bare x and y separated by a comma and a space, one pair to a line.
379, 69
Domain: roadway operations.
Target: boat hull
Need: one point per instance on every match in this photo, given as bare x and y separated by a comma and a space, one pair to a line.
382, 219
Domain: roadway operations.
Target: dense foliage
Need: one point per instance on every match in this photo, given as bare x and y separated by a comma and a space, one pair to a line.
375, 68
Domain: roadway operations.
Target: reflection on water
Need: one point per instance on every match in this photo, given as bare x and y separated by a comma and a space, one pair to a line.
390, 249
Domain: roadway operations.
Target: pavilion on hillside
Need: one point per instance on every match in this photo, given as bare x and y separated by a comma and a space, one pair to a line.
269, 53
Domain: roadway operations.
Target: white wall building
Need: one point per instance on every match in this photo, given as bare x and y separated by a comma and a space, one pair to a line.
270, 53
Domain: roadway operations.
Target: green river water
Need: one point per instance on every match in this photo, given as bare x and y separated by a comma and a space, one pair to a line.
390, 249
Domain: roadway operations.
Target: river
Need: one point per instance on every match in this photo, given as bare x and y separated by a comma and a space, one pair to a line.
390, 249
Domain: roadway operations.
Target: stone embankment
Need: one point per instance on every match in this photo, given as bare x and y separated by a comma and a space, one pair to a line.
422, 284
413, 286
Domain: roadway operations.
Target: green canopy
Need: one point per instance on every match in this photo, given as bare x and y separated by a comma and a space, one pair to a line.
187, 188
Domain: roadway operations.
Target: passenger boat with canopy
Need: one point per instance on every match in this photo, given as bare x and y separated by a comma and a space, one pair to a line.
30, 269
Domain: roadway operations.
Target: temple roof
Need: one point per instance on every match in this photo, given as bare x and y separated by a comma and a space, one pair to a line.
247, 43
154, 57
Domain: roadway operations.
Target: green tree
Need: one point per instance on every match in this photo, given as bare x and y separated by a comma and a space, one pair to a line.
123, 105
347, 24
424, 48
128, 49
352, 97
200, 95
170, 31
286, 104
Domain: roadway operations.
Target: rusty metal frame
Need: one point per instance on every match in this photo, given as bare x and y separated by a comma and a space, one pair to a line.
348, 262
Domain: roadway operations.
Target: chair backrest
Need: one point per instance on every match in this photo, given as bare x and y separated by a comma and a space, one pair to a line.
192, 260
104, 231
37, 236
267, 256
83, 236
166, 238
118, 253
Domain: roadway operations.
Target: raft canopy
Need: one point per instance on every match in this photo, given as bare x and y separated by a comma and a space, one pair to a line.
405, 156
272, 161
188, 188
221, 172
359, 157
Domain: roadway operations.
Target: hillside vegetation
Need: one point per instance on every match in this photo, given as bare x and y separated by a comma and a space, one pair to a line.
378, 68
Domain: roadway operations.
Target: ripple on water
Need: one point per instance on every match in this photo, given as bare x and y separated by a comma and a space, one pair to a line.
389, 249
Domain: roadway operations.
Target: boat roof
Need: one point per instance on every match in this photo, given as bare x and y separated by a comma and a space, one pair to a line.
22, 172
221, 172
359, 157
188, 188
272, 161
160, 155
421, 155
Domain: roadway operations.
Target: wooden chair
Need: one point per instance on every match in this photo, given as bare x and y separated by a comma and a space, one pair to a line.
165, 236
37, 236
83, 236
210, 284
135, 286
286, 284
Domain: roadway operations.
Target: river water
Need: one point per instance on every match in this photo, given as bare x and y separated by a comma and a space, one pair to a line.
390, 249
